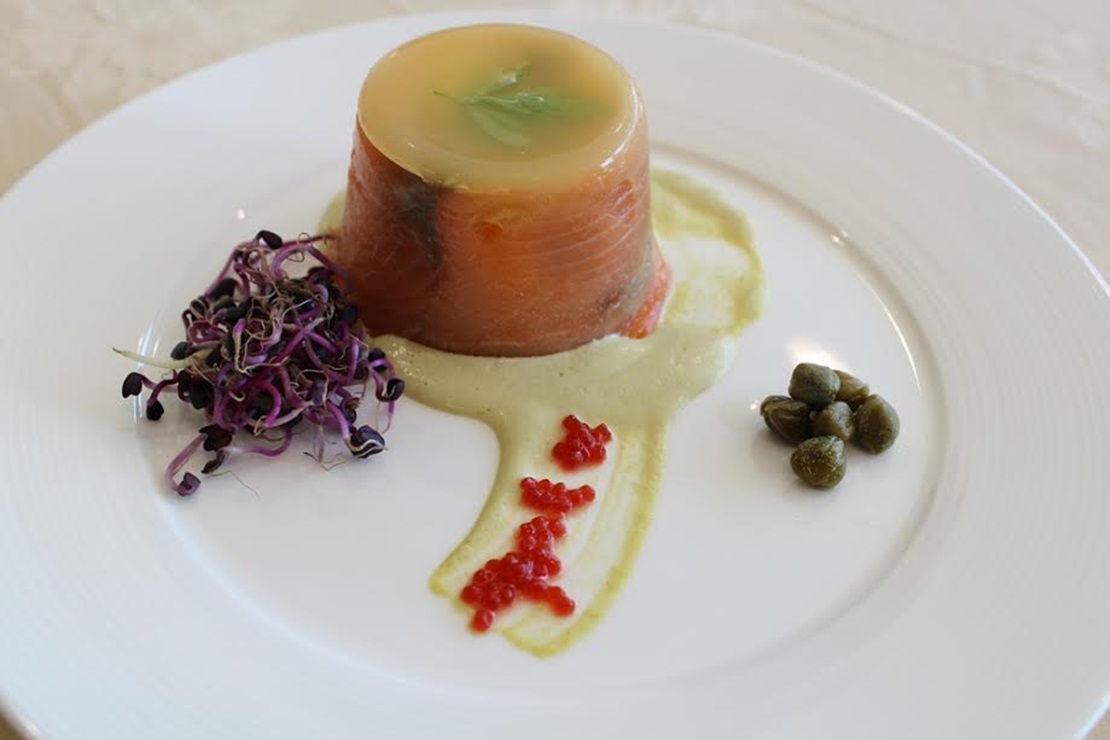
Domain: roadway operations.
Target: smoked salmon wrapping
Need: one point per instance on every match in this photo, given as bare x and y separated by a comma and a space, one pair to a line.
528, 270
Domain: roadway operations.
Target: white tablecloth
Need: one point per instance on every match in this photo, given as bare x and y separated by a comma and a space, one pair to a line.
1024, 82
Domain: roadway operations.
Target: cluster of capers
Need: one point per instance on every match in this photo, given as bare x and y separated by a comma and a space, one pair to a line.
825, 409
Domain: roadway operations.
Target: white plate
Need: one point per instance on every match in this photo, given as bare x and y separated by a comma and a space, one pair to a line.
955, 586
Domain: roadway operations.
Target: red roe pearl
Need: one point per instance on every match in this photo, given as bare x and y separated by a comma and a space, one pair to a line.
525, 571
520, 573
581, 444
482, 620
543, 495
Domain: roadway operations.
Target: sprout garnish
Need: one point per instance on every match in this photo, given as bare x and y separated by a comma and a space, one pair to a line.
264, 351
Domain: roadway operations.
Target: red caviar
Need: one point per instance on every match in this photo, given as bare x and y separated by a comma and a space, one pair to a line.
522, 573
543, 495
581, 444
525, 572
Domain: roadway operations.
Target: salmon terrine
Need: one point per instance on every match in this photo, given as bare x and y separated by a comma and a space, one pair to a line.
498, 195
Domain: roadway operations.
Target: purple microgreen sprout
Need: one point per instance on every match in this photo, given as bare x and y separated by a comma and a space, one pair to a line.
265, 351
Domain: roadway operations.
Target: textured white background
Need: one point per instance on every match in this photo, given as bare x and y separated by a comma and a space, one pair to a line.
1026, 83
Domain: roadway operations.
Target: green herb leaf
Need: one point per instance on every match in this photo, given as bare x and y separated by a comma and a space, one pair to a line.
494, 123
508, 78
549, 100
511, 117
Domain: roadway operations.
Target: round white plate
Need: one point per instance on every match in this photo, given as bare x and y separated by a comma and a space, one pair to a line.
954, 586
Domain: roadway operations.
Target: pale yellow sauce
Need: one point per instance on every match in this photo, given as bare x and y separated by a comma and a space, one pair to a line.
636, 386
409, 109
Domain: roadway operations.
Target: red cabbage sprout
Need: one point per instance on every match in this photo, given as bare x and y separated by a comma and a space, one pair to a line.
265, 351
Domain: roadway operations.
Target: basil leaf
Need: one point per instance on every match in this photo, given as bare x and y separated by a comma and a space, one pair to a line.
508, 116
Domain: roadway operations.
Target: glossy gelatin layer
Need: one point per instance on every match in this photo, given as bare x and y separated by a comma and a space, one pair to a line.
498, 195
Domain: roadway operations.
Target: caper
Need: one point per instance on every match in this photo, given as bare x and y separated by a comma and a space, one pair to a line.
853, 391
835, 420
788, 417
820, 461
768, 401
815, 384
876, 424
